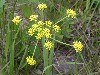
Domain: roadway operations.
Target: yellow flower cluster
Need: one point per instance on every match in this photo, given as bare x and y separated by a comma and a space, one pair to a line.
33, 17
31, 31
71, 13
78, 46
48, 45
16, 20
48, 23
42, 29
30, 60
42, 6
56, 28
41, 23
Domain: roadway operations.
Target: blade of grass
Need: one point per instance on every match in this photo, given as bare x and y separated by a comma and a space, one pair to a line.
45, 56
47, 67
12, 52
4, 66
87, 5
21, 63
51, 57
88, 70
8, 42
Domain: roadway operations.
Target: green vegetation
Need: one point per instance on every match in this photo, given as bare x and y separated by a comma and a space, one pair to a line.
49, 37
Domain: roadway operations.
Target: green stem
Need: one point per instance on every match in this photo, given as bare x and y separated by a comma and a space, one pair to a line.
45, 56
61, 42
35, 48
51, 57
60, 20
87, 67
42, 16
45, 51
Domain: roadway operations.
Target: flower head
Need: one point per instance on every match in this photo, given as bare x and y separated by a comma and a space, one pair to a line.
31, 31
47, 33
48, 23
30, 60
42, 6
33, 17
39, 29
41, 23
16, 20
78, 46
48, 45
71, 13
56, 28
35, 26
39, 35
43, 33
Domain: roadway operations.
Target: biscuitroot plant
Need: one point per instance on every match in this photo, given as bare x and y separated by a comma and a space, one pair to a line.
45, 32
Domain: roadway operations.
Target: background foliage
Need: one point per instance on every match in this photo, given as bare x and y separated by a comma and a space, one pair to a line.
85, 28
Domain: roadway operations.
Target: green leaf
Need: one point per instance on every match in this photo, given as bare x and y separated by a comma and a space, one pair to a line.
2, 2
1, 11
68, 30
59, 37
26, 10
67, 35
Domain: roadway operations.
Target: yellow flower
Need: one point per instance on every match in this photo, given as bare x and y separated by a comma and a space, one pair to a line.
30, 60
43, 32
33, 17
71, 13
48, 35
48, 45
56, 28
46, 32
39, 35
40, 23
16, 20
78, 46
42, 6
48, 23
31, 31
39, 29
35, 26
